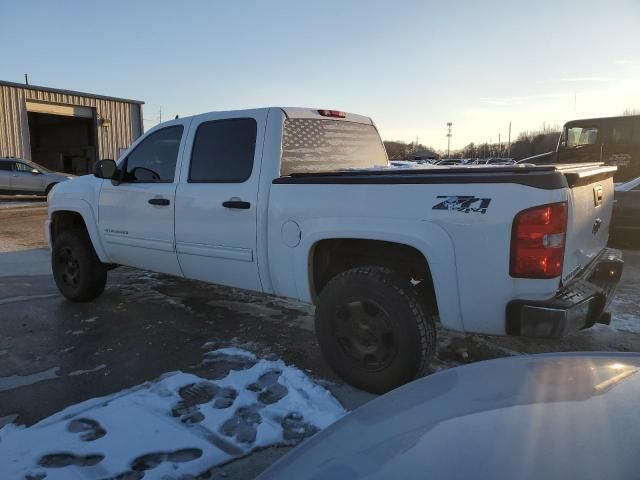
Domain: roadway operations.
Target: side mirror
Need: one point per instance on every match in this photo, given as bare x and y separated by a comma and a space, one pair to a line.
35, 171
106, 169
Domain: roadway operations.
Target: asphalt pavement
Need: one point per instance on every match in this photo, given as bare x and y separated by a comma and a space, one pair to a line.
55, 353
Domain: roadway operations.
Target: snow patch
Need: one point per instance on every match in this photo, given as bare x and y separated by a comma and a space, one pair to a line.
180, 424
75, 373
626, 322
17, 381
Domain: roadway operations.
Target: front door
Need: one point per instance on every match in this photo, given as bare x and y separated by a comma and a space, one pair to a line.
583, 144
27, 179
216, 200
136, 217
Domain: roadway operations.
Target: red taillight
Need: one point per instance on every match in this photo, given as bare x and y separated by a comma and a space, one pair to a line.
332, 113
537, 241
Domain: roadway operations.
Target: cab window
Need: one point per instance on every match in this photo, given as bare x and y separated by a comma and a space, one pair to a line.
23, 167
621, 131
223, 151
154, 159
578, 136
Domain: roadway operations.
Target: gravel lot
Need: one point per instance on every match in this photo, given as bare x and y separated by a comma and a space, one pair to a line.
54, 353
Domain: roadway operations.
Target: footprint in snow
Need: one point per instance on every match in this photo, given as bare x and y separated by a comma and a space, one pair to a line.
243, 424
59, 460
130, 475
295, 429
220, 364
35, 476
270, 390
88, 429
200, 393
152, 460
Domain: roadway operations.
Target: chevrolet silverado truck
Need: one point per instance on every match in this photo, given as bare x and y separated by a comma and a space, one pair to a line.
301, 203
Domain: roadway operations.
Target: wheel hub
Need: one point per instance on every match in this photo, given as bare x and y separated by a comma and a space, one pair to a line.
364, 333
68, 267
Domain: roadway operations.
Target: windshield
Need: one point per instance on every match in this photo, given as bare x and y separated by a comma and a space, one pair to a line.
318, 145
577, 136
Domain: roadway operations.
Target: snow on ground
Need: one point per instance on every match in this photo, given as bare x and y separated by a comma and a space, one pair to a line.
176, 426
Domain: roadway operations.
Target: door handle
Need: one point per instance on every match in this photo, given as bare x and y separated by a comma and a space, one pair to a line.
240, 204
159, 201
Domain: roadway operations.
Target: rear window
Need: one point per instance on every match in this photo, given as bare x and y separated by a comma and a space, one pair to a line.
310, 145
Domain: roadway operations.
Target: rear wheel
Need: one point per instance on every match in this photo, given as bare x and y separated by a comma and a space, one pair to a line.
77, 270
373, 329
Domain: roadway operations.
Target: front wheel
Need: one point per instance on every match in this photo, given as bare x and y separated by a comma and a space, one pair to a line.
373, 329
77, 270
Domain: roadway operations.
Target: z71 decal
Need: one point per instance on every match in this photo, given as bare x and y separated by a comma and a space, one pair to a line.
463, 203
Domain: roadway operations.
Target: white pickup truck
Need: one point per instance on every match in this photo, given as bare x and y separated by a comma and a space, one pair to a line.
300, 203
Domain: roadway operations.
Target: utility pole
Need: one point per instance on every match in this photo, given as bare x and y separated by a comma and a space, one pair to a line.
449, 125
509, 149
499, 146
26, 78
160, 113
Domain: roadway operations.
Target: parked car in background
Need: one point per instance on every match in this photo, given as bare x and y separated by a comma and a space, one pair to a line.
612, 140
552, 416
494, 161
625, 222
21, 177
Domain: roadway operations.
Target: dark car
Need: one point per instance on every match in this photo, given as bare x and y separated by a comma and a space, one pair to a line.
625, 224
554, 416
612, 140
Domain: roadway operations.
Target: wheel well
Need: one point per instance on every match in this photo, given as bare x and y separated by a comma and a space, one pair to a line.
331, 257
50, 186
65, 220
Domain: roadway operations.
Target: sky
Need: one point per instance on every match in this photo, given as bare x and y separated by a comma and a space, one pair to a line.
411, 65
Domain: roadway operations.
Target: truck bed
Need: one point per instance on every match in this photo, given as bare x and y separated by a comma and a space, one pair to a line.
548, 177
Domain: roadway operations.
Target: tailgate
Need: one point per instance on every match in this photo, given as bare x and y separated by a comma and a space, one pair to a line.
590, 207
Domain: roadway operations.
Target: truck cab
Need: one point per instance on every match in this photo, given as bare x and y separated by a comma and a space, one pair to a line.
611, 140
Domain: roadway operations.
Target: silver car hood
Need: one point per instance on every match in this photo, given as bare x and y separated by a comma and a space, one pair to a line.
539, 417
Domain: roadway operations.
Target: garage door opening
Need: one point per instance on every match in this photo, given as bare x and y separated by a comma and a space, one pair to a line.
62, 143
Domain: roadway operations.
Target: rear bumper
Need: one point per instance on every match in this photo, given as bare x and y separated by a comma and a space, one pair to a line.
576, 306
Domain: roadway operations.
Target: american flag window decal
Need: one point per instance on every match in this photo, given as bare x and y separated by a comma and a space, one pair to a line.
319, 145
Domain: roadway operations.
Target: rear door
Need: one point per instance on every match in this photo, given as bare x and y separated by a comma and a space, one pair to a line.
6, 171
216, 200
590, 199
620, 151
136, 217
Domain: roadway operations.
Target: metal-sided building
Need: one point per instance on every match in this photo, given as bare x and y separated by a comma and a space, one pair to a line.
64, 130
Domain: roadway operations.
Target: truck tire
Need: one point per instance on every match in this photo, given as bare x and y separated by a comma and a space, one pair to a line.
373, 329
77, 270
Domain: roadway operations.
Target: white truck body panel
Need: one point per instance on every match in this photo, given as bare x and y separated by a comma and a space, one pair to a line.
267, 247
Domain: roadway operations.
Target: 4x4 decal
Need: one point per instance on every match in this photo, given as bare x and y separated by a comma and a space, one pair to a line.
463, 203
